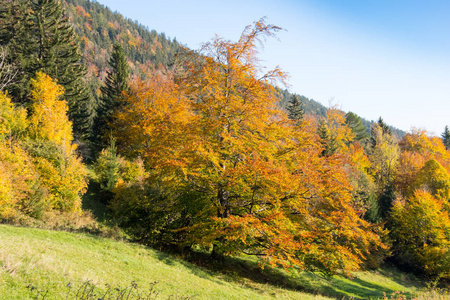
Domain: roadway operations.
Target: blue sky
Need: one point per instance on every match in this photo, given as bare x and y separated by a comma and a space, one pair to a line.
373, 57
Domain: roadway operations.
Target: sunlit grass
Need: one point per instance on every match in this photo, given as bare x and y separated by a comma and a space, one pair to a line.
49, 260
36, 261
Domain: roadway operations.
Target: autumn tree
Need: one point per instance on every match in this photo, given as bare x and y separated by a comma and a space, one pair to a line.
418, 148
13, 120
433, 178
420, 230
17, 176
50, 145
231, 171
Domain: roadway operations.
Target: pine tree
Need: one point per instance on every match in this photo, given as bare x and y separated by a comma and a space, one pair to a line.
446, 138
40, 39
116, 82
295, 110
327, 140
357, 126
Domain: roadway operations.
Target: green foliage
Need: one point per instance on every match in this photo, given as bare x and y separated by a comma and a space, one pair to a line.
98, 28
60, 172
107, 170
295, 110
148, 213
357, 126
385, 130
446, 138
420, 231
310, 106
116, 83
327, 139
44, 41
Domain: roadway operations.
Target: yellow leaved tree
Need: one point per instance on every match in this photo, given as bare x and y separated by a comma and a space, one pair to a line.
49, 120
50, 144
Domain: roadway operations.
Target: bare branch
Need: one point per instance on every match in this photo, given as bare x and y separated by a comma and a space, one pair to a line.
8, 71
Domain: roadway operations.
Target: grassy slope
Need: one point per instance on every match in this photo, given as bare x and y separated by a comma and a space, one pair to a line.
49, 260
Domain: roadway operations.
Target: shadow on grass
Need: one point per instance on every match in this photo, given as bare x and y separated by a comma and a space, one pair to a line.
92, 203
247, 272
399, 277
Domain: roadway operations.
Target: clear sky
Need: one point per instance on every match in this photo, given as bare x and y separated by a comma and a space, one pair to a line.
388, 58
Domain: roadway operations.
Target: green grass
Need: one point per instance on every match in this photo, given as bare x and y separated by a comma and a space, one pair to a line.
49, 260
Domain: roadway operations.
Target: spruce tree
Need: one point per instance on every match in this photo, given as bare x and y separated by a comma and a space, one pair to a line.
116, 82
446, 138
327, 139
357, 126
295, 110
39, 38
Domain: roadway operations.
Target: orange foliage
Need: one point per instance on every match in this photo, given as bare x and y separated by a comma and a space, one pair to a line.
261, 185
80, 11
417, 148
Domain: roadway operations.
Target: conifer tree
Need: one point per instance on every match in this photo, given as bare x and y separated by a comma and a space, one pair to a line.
40, 39
295, 110
327, 140
116, 82
357, 126
446, 138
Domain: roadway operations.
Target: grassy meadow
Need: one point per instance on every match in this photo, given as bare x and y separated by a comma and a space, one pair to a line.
45, 264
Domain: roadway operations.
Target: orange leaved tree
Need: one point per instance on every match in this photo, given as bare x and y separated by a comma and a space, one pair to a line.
240, 175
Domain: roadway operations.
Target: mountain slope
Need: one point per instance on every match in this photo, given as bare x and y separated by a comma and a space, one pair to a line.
97, 27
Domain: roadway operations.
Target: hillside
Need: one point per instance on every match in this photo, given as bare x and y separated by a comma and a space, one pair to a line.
37, 261
97, 27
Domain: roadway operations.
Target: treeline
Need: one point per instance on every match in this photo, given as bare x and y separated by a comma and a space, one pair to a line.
198, 153
314, 108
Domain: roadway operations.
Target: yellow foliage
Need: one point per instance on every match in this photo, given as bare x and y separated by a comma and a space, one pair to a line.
421, 234
339, 129
41, 170
7, 201
434, 178
12, 119
19, 177
49, 120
